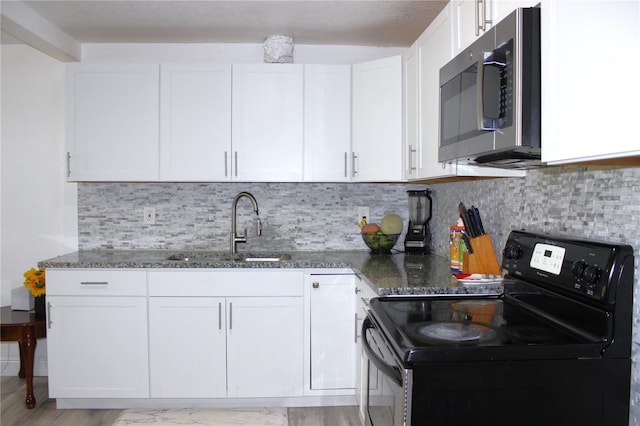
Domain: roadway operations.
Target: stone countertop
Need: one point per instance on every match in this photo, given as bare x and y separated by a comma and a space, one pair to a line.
395, 274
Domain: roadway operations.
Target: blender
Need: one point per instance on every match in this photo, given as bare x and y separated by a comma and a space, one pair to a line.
418, 238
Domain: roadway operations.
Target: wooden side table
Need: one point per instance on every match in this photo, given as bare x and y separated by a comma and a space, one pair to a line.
25, 328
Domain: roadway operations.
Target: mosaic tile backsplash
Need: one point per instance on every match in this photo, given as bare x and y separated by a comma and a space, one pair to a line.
590, 202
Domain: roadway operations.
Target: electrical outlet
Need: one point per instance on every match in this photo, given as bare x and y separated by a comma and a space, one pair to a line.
362, 211
149, 215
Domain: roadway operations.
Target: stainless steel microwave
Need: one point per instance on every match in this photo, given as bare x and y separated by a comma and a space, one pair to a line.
490, 97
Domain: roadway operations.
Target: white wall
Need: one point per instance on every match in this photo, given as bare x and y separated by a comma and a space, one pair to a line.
38, 209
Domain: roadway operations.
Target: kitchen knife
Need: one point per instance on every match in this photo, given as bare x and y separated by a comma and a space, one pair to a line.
467, 242
466, 220
478, 221
473, 223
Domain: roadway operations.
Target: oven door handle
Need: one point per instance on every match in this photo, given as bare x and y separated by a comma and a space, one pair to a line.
390, 371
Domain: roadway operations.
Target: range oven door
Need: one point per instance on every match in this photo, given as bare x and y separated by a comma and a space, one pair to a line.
388, 402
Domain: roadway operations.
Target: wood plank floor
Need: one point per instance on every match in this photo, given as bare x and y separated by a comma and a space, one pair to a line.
13, 411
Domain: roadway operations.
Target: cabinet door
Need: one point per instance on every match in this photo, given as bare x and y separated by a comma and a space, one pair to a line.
97, 347
471, 19
327, 123
333, 332
434, 49
195, 122
412, 111
377, 120
589, 106
267, 122
187, 347
112, 122
264, 346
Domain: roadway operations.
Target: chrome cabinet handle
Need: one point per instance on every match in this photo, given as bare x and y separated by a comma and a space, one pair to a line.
355, 331
358, 290
49, 322
68, 164
225, 165
94, 282
315, 284
353, 164
412, 151
477, 17
230, 315
481, 17
220, 316
235, 166
346, 160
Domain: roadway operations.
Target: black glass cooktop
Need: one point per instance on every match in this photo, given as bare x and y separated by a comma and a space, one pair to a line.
426, 329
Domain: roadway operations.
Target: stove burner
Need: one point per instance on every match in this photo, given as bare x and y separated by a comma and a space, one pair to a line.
456, 332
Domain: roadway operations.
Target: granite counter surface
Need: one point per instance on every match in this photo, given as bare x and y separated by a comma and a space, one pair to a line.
395, 274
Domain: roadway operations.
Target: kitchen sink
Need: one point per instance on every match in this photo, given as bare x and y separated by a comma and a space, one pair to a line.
227, 257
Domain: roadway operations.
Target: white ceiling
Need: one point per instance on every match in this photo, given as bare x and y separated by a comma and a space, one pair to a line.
389, 23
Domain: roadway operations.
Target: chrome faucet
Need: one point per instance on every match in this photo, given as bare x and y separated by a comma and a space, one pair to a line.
234, 236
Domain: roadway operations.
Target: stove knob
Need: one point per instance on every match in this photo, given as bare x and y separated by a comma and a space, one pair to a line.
578, 268
591, 274
512, 252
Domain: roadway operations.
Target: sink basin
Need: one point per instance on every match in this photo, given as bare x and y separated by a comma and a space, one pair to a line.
228, 257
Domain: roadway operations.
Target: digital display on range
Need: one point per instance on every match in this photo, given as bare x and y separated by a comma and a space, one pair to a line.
547, 258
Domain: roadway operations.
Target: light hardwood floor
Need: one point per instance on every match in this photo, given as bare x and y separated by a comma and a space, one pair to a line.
13, 411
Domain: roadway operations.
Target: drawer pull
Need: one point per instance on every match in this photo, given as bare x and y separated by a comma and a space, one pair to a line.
94, 283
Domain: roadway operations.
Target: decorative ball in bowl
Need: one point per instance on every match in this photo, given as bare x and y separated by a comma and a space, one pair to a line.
379, 242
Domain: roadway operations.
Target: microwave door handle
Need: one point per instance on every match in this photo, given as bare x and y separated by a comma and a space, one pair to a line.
391, 372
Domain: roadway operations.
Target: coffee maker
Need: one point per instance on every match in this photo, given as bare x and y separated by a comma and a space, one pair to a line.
418, 238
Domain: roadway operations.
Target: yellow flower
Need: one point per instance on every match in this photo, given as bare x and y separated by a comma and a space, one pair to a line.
35, 281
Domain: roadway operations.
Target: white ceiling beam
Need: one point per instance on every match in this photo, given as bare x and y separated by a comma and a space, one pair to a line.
26, 25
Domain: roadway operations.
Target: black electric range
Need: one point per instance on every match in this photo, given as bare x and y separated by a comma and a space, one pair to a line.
553, 349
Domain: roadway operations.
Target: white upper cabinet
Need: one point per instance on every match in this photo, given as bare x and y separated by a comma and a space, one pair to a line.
267, 122
327, 123
377, 111
472, 18
112, 122
590, 85
411, 111
433, 50
195, 122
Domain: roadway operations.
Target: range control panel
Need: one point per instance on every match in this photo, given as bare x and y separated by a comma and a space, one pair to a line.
589, 268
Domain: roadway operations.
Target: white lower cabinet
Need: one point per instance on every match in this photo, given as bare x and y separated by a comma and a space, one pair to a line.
332, 332
209, 340
97, 334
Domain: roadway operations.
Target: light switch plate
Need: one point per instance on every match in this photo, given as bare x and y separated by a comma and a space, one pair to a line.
149, 215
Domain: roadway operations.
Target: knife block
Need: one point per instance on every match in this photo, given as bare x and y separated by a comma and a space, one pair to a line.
483, 260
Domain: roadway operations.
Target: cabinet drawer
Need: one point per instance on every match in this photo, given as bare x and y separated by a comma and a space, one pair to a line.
96, 283
262, 282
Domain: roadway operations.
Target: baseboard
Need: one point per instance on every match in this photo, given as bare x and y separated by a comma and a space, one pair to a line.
11, 367
114, 403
